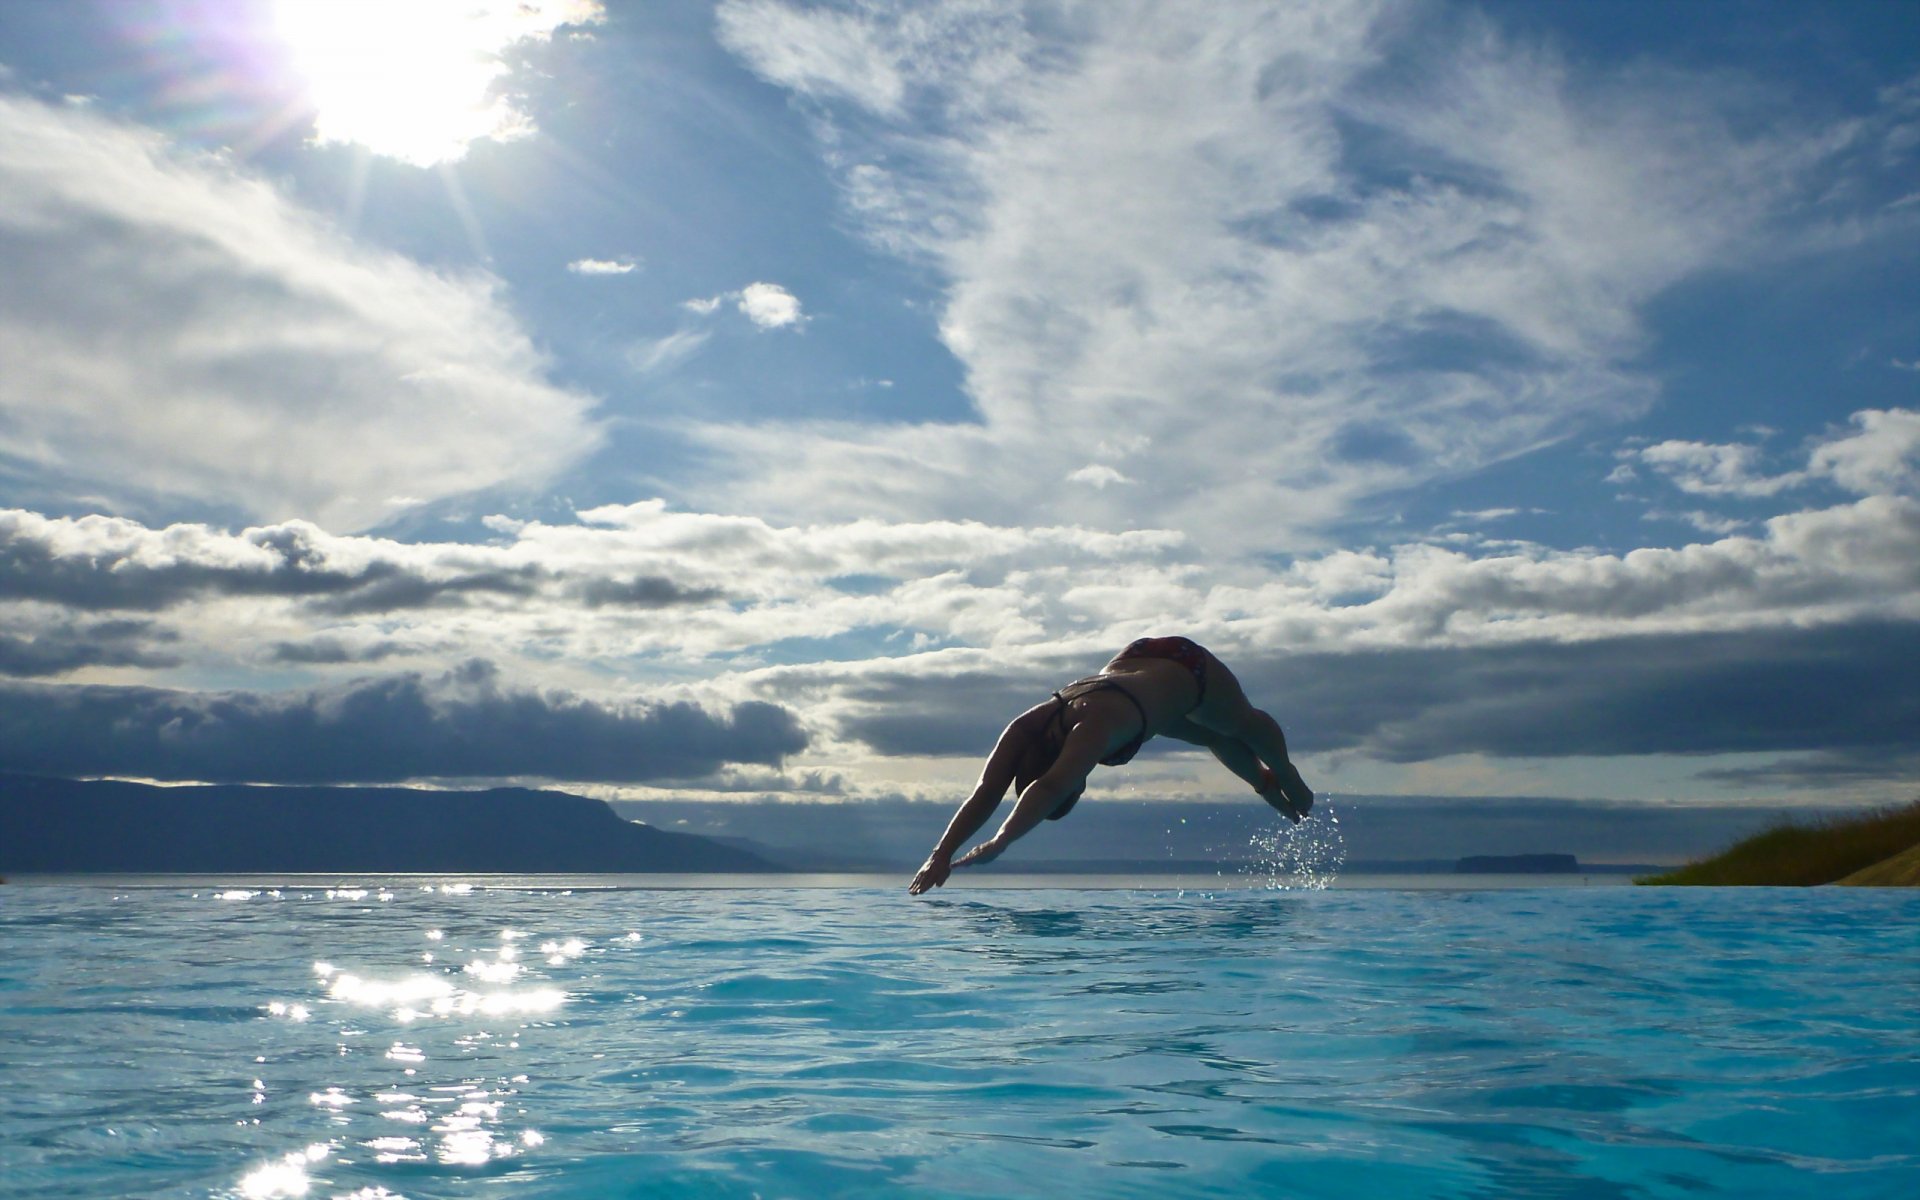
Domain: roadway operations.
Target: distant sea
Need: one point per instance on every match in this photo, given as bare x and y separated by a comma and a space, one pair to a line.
384, 1037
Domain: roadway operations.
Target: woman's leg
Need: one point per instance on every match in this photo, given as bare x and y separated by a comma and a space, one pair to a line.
1234, 754
1227, 711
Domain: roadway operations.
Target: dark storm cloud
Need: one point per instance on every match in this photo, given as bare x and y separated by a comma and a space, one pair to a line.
30, 569
100, 564
465, 724
646, 591
149, 571
1838, 689
958, 714
1847, 691
389, 587
330, 650
67, 646
1867, 764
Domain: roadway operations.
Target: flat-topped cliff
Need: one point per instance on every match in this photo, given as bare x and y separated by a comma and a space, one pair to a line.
64, 825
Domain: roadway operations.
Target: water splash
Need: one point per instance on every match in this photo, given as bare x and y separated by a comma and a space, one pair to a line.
1303, 857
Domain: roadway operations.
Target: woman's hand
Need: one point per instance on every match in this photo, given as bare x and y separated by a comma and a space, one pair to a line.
932, 874
985, 852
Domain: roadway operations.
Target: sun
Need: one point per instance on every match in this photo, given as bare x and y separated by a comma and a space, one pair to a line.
416, 80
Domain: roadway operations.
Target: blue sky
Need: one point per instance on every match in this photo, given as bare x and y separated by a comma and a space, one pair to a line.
765, 399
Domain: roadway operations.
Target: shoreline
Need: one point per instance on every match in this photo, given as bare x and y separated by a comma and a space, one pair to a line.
397, 883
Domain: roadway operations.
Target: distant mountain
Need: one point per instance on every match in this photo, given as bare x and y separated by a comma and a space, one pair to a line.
64, 825
1517, 864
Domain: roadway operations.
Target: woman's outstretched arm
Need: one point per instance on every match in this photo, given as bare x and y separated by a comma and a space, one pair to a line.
1066, 776
995, 778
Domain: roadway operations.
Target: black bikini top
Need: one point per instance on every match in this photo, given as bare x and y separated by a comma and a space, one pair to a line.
1095, 683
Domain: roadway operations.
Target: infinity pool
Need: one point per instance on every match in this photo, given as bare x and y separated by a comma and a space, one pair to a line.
442, 1038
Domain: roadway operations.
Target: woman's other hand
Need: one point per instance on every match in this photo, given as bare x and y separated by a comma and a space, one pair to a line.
932, 874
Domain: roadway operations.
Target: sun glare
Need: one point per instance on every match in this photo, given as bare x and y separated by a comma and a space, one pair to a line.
418, 80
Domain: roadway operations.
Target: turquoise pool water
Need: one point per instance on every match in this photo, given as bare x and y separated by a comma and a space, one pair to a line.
437, 1039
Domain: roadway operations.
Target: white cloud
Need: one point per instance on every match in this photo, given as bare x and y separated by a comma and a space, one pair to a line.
815, 53
1883, 456
1343, 575
1704, 469
660, 354
1843, 563
172, 326
561, 594
1096, 475
1705, 522
1220, 224
887, 60
767, 305
603, 266
770, 306
594, 591
1489, 514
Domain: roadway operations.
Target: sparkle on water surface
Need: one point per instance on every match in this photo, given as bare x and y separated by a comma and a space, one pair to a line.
388, 1039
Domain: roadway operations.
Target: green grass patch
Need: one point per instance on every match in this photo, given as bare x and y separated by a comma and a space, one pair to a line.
1802, 854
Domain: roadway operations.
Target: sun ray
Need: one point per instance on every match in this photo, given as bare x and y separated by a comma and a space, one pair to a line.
463, 209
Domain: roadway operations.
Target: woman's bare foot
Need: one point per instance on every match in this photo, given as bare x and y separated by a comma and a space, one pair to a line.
1286, 791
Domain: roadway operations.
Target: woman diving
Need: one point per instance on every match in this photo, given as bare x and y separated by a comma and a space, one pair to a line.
1162, 685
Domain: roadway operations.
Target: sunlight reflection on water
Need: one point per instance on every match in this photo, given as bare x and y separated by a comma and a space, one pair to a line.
419, 994
465, 1123
288, 1177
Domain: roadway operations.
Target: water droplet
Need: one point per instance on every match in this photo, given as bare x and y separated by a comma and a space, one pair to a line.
1307, 856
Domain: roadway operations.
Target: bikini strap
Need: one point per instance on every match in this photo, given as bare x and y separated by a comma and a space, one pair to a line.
1135, 701
1096, 683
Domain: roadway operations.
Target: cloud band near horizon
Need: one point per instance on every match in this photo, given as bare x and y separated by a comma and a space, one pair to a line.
463, 725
